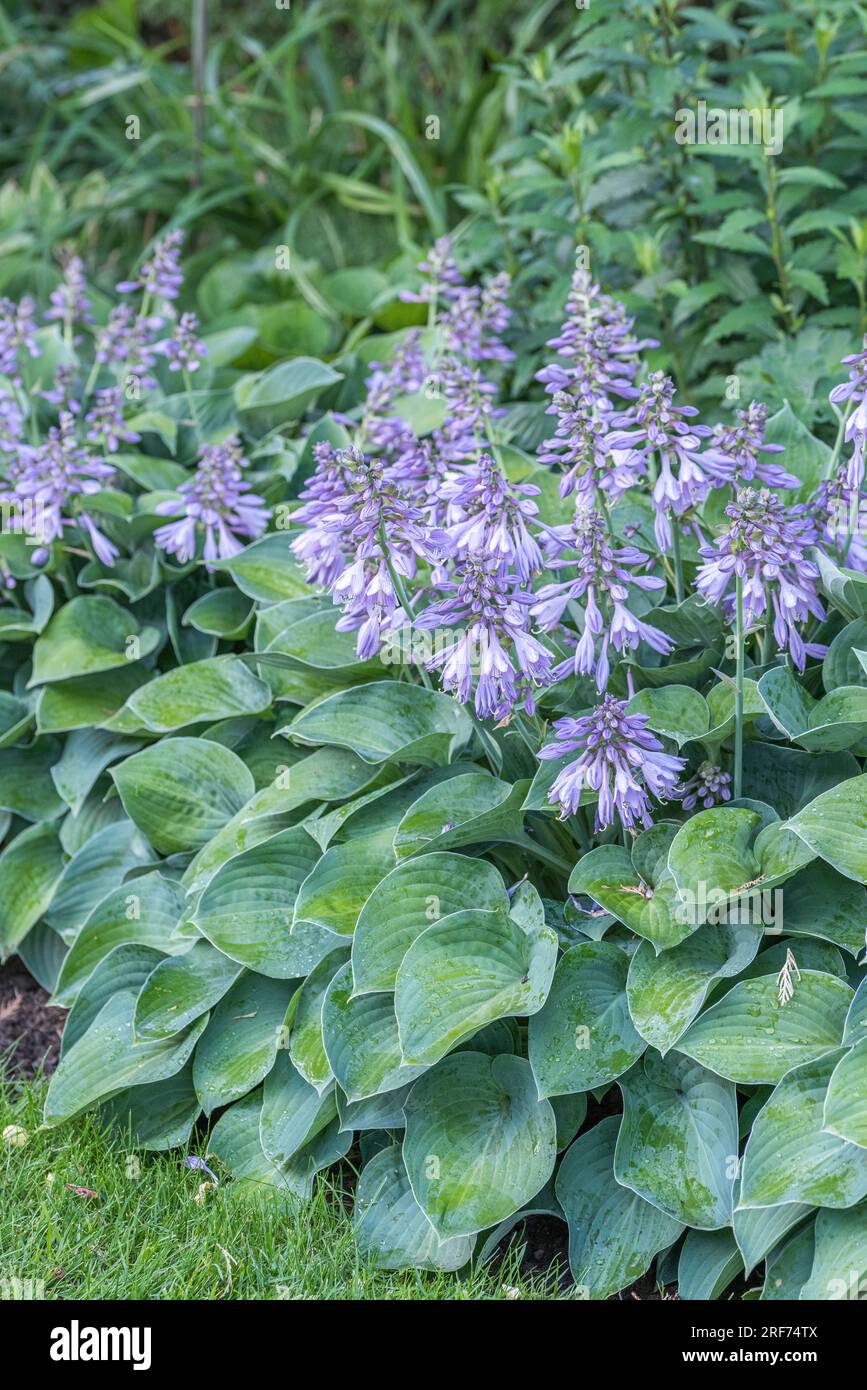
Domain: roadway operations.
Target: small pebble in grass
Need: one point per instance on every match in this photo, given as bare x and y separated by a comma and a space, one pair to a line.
509, 1291
49, 1179
202, 1191
15, 1137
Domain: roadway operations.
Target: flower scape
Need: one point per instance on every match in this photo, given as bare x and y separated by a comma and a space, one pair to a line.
378, 788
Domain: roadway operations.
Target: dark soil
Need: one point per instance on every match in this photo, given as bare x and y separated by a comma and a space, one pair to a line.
29, 1030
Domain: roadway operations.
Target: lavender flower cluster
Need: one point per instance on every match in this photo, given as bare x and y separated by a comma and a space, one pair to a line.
51, 482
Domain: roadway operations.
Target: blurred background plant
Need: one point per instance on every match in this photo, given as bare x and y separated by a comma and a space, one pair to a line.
349, 136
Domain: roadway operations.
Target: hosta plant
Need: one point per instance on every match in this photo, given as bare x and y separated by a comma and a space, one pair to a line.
374, 790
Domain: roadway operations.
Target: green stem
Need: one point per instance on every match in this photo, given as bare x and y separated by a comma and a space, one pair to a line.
838, 442
739, 686
678, 562
403, 598
188, 387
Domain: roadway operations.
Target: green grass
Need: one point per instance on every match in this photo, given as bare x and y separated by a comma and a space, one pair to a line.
147, 1237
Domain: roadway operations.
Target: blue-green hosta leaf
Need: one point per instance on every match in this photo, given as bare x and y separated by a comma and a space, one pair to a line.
16, 718
125, 967
677, 711
310, 639
570, 1113
835, 827
293, 1111
329, 774
856, 1019
820, 902
790, 1157
30, 869
788, 778
86, 754
235, 1140
95, 870
727, 853
391, 1228
223, 613
283, 392
144, 912
43, 952
182, 988
709, 1262
87, 700
237, 1049
846, 1101
338, 886
479, 1143
463, 972
306, 1047
158, 1116
678, 1143
388, 721
614, 1234
842, 665
665, 992
839, 1269
107, 1059
751, 1038
181, 791
384, 1111
246, 909
361, 1041
415, 894
637, 889
788, 1267
836, 722
583, 1036
468, 810
266, 570
88, 635
759, 1229
26, 786
220, 687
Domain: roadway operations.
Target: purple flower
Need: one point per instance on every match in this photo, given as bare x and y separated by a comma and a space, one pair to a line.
658, 427
381, 429
127, 342
619, 758
489, 516
184, 350
599, 353
161, 275
476, 318
193, 1161
217, 500
44, 481
319, 548
69, 302
443, 279
855, 392
732, 455
579, 446
11, 422
495, 650
17, 335
602, 578
708, 786
105, 424
840, 516
766, 544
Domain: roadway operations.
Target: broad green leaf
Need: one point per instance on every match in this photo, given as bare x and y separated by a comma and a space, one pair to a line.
181, 989
283, 392
384, 1111
709, 1262
638, 889
478, 1143
846, 1102
678, 1143
415, 894
26, 786
126, 967
839, 1269
835, 827
820, 902
388, 721
224, 613
390, 1227
237, 1049
583, 1036
95, 870
361, 1042
246, 909
181, 791
293, 1111
220, 687
86, 754
790, 1157
751, 1038
107, 1059
30, 869
464, 971
727, 853
340, 883
614, 1233
468, 810
306, 1047
144, 911
159, 1116
266, 570
788, 1267
759, 1229
88, 635
666, 991
788, 778
87, 700
677, 711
